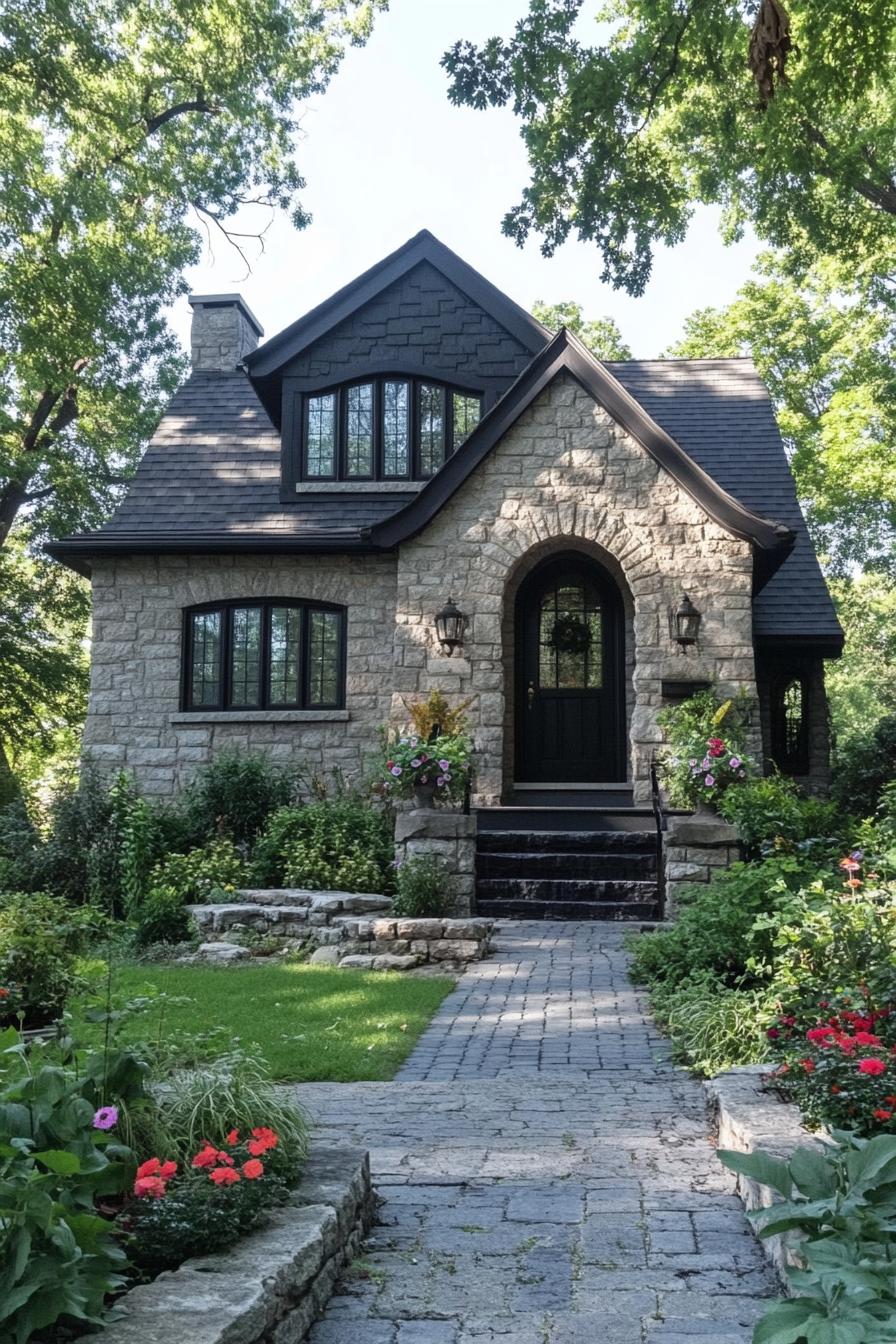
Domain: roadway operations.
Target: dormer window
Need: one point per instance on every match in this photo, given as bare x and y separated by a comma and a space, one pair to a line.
388, 429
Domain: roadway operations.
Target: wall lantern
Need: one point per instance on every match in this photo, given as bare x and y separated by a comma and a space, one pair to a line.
687, 622
450, 625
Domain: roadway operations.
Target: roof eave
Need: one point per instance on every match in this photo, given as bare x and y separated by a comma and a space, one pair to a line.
77, 552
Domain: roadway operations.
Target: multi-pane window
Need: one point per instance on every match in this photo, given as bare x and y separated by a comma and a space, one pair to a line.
320, 451
266, 654
385, 429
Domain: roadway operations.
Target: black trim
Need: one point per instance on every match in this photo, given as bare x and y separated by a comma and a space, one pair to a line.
567, 353
810, 646
424, 246
224, 702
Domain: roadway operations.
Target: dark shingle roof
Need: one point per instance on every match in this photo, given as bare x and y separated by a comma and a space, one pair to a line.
213, 470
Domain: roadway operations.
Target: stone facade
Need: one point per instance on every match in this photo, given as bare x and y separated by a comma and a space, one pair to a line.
450, 835
696, 848
565, 477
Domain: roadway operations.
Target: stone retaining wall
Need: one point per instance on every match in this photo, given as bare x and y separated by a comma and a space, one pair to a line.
271, 1285
750, 1118
450, 835
696, 848
351, 929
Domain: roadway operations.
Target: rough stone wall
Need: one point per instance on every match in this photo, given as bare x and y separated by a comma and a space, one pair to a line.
567, 477
221, 335
452, 836
133, 713
696, 849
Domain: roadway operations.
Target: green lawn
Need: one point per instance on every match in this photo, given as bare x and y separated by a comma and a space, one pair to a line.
310, 1023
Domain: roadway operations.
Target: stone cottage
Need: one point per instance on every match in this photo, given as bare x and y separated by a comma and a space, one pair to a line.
307, 506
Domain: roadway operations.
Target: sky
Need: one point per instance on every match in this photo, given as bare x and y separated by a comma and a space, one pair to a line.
385, 154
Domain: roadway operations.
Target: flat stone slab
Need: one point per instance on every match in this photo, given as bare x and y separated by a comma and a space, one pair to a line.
347, 902
275, 895
222, 952
269, 1286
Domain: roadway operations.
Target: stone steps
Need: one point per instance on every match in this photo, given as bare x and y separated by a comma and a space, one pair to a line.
568, 864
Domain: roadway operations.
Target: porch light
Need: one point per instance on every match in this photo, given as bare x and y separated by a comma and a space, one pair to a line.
687, 622
450, 625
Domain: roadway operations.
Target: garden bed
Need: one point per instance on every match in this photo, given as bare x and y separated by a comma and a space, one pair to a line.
270, 1286
751, 1117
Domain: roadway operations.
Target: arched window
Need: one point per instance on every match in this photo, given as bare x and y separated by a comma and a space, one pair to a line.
790, 725
387, 428
269, 653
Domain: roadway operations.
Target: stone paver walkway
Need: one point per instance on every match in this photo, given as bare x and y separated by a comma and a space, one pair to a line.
546, 1173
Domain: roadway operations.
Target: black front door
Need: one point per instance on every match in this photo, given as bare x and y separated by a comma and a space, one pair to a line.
569, 664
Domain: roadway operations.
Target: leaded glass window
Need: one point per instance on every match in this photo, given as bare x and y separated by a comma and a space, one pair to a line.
396, 427
467, 411
264, 655
359, 430
790, 726
320, 452
570, 637
431, 428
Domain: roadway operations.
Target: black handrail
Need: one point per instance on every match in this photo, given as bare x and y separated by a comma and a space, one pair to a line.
659, 817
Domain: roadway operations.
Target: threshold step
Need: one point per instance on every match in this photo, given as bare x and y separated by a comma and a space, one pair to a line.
634, 913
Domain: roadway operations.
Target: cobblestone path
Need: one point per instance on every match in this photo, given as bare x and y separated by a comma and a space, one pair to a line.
546, 1174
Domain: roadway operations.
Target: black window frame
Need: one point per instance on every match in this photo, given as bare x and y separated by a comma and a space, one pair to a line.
225, 668
379, 381
789, 762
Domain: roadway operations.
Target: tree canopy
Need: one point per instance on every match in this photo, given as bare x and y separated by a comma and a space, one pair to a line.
601, 334
782, 111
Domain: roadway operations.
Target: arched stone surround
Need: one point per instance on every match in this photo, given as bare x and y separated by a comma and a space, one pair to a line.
567, 476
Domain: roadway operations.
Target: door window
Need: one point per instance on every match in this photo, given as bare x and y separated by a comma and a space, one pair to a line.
570, 637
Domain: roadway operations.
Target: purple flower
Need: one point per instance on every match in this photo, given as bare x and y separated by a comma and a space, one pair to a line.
692, 762
425, 779
396, 770
706, 763
709, 781
440, 780
857, 855
444, 765
105, 1117
416, 762
734, 762
447, 775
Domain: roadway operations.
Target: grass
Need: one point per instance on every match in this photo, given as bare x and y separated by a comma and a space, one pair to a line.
309, 1023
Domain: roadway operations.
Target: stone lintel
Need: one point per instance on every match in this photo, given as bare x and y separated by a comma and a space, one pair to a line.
434, 824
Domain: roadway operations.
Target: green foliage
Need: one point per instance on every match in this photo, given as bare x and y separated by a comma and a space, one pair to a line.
670, 105
864, 774
441, 764
162, 918
422, 884
771, 810
861, 686
841, 1201
196, 1217
713, 1027
235, 794
345, 836
40, 937
58, 1257
210, 873
701, 729
601, 334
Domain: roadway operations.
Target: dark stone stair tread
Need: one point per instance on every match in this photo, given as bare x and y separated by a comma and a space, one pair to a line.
596, 842
564, 889
611, 910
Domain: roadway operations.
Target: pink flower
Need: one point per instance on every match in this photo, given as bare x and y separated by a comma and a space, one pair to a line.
734, 762
444, 765
416, 762
106, 1117
872, 1066
709, 781
396, 770
440, 780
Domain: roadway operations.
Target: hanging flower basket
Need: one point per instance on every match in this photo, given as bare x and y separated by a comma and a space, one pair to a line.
570, 634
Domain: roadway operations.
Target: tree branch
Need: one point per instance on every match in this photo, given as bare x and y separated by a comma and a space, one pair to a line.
197, 104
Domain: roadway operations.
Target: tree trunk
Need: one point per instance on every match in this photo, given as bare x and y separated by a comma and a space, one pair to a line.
10, 789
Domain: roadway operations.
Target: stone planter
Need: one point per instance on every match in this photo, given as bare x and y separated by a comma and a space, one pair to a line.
424, 795
270, 1286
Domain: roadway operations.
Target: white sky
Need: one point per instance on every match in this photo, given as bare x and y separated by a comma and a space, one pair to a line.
385, 154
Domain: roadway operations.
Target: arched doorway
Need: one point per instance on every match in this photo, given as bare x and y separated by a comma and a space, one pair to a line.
569, 674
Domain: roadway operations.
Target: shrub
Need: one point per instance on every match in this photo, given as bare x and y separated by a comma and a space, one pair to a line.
163, 918
713, 1027
861, 777
766, 811
704, 754
211, 872
335, 836
40, 938
234, 795
422, 887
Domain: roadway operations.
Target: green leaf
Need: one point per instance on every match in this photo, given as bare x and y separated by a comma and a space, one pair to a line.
60, 1161
813, 1174
761, 1167
787, 1322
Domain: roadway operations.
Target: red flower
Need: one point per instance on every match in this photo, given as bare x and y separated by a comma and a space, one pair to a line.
891, 1099
149, 1168
149, 1185
233, 1137
715, 746
224, 1176
866, 1038
835, 1089
252, 1169
881, 1114
4, 993
262, 1139
872, 1066
819, 1035
208, 1157
773, 1033
808, 1065
167, 1170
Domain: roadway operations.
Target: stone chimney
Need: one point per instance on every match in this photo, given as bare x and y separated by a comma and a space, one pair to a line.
223, 332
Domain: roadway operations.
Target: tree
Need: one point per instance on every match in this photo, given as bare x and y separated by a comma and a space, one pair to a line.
601, 334
861, 685
828, 358
130, 131
782, 111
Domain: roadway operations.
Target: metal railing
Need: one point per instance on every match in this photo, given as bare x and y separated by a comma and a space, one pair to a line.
659, 817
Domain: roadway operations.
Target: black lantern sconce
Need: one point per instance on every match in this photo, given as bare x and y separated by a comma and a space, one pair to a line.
686, 622
450, 626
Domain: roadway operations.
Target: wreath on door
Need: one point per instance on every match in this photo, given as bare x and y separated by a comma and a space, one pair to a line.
570, 634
